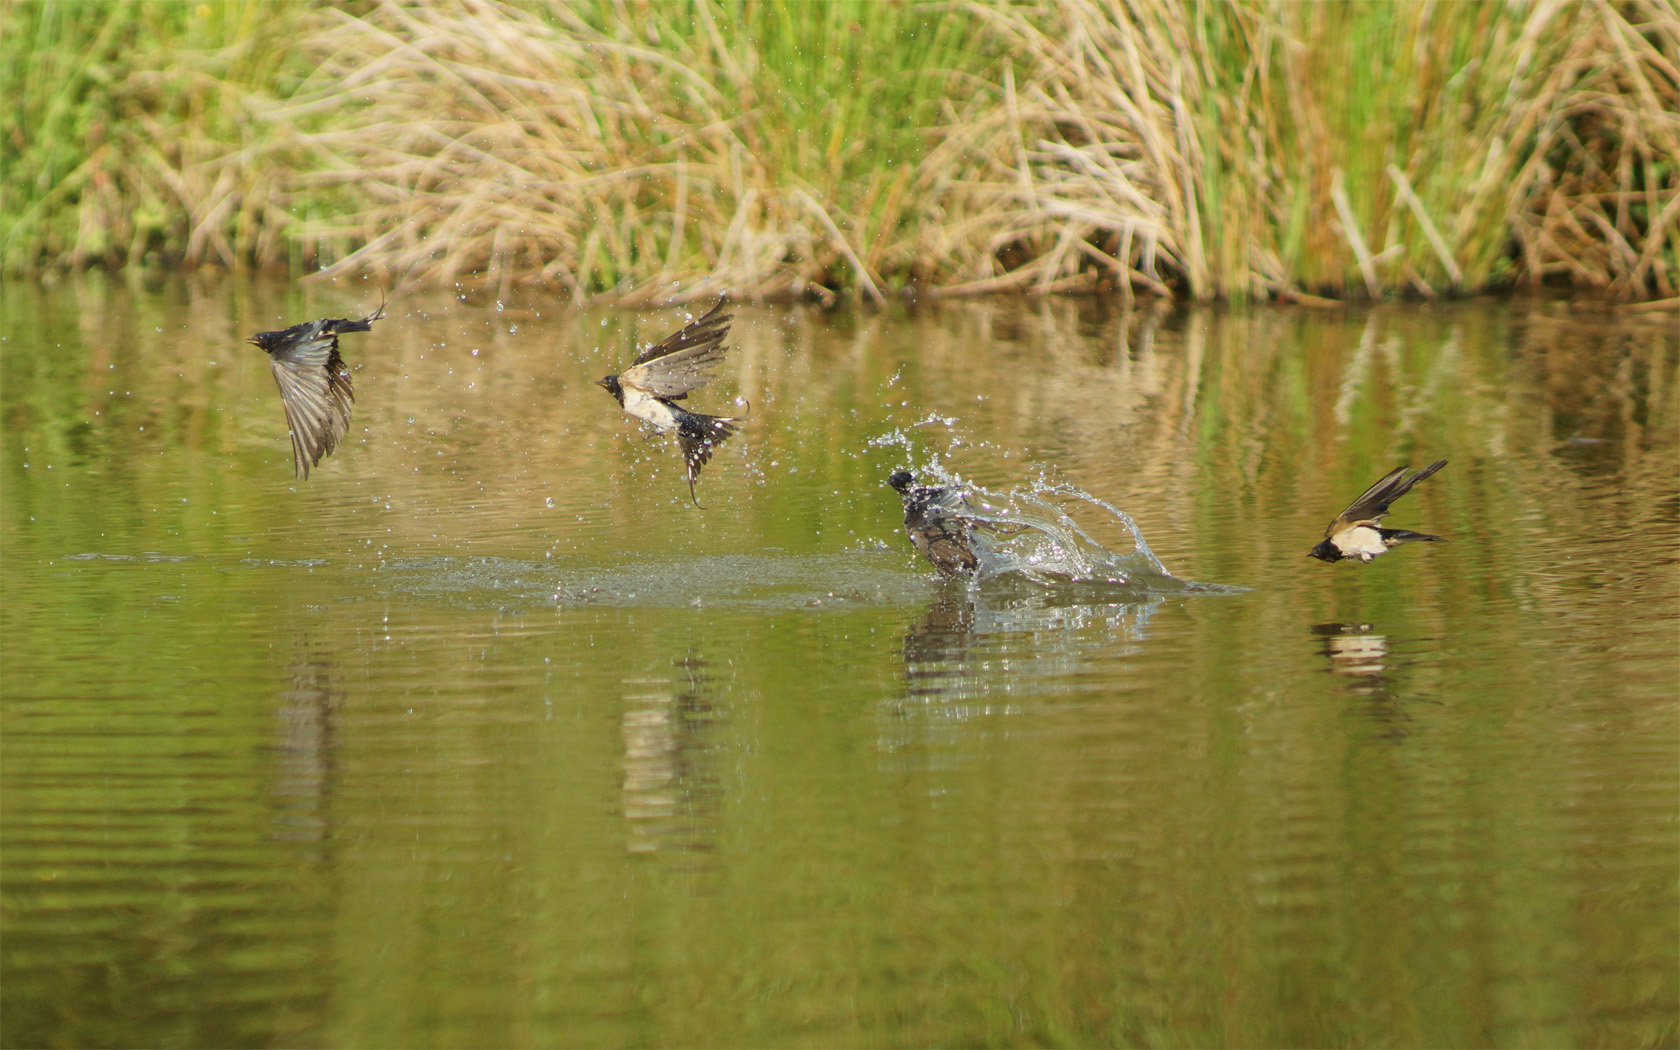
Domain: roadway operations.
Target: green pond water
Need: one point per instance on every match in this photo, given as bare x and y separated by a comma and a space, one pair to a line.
485, 736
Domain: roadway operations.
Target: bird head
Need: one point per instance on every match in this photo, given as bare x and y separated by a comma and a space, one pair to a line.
902, 481
1325, 551
261, 341
611, 384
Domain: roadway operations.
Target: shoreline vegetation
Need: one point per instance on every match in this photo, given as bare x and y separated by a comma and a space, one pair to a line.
638, 151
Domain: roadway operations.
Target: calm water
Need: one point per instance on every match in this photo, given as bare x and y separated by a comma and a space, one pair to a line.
485, 736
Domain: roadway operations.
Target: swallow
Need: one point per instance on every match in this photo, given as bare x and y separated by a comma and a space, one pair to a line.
937, 530
314, 383
1355, 534
666, 373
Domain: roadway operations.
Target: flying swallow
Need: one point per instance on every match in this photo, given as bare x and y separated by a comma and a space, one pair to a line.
664, 374
314, 383
1355, 534
935, 527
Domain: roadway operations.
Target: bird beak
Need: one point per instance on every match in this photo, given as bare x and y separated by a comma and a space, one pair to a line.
600, 382
253, 342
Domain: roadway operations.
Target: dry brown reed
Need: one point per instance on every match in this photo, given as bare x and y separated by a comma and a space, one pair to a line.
1598, 196
635, 150
501, 145
1084, 168
1282, 150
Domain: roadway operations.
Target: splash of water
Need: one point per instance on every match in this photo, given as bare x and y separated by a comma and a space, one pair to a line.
1031, 531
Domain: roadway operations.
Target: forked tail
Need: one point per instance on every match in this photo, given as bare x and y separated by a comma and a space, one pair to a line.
1393, 536
700, 434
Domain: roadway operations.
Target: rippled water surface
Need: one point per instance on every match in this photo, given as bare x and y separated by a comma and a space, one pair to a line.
484, 735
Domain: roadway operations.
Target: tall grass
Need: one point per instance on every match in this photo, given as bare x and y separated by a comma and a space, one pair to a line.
1275, 149
631, 149
126, 132
642, 149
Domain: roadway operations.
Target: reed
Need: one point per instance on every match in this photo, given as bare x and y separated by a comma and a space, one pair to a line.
1296, 150
630, 150
127, 133
639, 150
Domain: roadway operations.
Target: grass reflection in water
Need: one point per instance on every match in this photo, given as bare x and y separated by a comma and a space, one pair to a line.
484, 735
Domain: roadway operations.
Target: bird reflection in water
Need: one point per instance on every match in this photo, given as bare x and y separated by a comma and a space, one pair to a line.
934, 648
1009, 644
1354, 651
305, 747
1361, 656
670, 789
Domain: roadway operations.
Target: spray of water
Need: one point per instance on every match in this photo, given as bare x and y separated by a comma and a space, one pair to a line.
1034, 530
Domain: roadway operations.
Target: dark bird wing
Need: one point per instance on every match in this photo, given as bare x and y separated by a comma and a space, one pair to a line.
699, 435
935, 524
683, 361
943, 539
1374, 502
316, 391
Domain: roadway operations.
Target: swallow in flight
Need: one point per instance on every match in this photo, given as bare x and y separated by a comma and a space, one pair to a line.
935, 527
664, 374
1355, 533
314, 383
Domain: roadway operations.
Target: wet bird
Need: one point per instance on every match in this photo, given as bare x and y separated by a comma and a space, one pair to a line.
935, 527
314, 383
1355, 533
666, 373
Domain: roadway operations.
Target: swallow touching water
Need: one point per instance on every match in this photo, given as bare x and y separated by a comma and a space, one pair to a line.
1355, 534
664, 374
937, 530
314, 383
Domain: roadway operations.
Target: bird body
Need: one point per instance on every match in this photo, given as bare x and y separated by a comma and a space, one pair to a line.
314, 382
663, 414
666, 373
935, 527
1355, 533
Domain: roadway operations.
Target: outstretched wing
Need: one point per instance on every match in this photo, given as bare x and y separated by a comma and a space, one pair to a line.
316, 392
683, 361
706, 330
1374, 502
